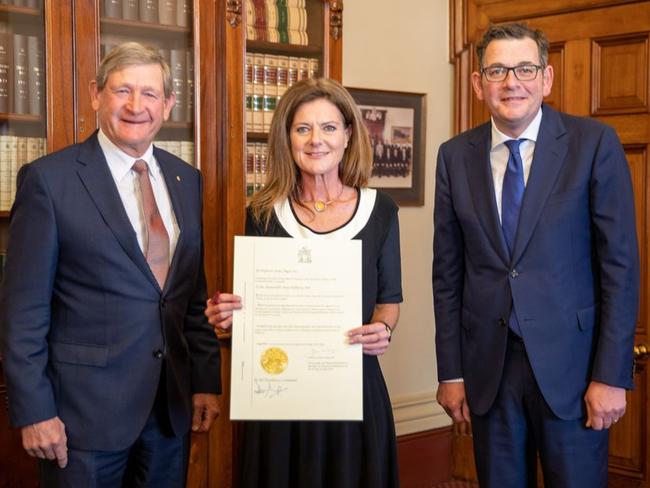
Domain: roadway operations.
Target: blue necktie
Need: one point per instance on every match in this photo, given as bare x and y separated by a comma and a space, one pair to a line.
511, 196
512, 193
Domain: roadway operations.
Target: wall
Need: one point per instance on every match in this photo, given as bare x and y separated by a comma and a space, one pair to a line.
403, 46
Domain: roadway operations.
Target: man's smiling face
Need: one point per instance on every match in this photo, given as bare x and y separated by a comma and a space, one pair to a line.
513, 104
132, 106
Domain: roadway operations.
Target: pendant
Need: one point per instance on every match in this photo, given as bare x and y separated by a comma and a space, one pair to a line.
320, 206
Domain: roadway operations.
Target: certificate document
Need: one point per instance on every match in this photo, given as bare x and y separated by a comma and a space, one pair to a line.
290, 356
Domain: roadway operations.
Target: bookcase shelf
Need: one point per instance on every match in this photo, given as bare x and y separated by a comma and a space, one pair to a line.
19, 11
25, 118
130, 28
257, 136
266, 47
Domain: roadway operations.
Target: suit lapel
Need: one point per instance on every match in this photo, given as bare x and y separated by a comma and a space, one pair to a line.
550, 151
98, 181
172, 182
481, 184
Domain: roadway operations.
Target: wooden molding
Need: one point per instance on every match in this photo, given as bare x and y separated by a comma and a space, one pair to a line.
336, 19
233, 12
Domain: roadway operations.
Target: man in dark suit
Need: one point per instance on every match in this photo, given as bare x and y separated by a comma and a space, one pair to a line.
108, 357
535, 275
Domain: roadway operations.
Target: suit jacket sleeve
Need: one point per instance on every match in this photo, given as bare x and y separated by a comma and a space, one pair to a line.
201, 339
448, 271
616, 249
25, 304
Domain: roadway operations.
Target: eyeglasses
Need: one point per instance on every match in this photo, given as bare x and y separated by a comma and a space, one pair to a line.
524, 72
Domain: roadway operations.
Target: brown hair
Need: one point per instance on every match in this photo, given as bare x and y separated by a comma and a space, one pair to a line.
283, 179
513, 31
131, 54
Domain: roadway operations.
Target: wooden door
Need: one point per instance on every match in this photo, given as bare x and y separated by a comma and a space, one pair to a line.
600, 53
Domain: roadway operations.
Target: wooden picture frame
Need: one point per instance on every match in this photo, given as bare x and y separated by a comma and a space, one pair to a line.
396, 123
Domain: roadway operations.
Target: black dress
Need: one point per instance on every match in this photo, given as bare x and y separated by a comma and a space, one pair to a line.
314, 454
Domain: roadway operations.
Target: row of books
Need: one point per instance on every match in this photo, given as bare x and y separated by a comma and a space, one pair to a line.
22, 76
181, 149
164, 12
267, 78
282, 21
22, 3
181, 64
15, 151
256, 156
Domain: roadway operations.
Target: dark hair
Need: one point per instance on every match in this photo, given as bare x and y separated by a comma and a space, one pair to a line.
513, 31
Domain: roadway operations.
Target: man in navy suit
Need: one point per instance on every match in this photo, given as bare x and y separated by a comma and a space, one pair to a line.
535, 275
108, 357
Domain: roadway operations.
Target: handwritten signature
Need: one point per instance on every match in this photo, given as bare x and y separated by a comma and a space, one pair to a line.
268, 390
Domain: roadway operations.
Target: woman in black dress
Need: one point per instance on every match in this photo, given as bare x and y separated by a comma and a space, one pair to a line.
319, 162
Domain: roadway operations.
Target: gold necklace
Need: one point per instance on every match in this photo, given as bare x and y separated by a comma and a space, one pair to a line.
320, 205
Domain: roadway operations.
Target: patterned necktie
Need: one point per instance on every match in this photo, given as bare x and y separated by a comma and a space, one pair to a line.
512, 193
157, 240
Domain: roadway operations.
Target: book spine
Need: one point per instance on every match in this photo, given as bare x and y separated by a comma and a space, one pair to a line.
260, 19
183, 13
283, 75
21, 81
189, 90
303, 69
249, 91
130, 9
167, 12
250, 169
5, 70
283, 22
313, 68
272, 33
149, 10
33, 149
178, 66
19, 162
270, 89
187, 152
260, 169
5, 172
35, 75
251, 33
113, 8
174, 147
294, 66
258, 92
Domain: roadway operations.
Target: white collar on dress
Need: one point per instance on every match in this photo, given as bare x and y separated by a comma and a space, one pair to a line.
294, 228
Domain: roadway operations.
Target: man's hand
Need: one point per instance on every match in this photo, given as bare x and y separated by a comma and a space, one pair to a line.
47, 440
605, 405
452, 398
206, 409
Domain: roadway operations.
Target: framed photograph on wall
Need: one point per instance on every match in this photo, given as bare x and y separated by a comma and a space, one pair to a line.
396, 124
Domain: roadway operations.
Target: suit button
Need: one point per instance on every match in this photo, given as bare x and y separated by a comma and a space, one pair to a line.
513, 273
502, 322
162, 303
157, 353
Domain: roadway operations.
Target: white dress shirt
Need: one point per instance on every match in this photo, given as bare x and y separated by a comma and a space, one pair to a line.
120, 164
499, 154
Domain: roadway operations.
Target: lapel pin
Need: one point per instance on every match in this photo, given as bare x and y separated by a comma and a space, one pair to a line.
178, 178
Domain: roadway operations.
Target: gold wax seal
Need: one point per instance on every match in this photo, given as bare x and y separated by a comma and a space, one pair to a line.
274, 360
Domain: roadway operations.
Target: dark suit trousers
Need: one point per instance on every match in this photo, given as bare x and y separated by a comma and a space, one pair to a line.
520, 425
157, 459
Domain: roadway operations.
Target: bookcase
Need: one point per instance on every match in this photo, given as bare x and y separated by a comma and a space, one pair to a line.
207, 43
